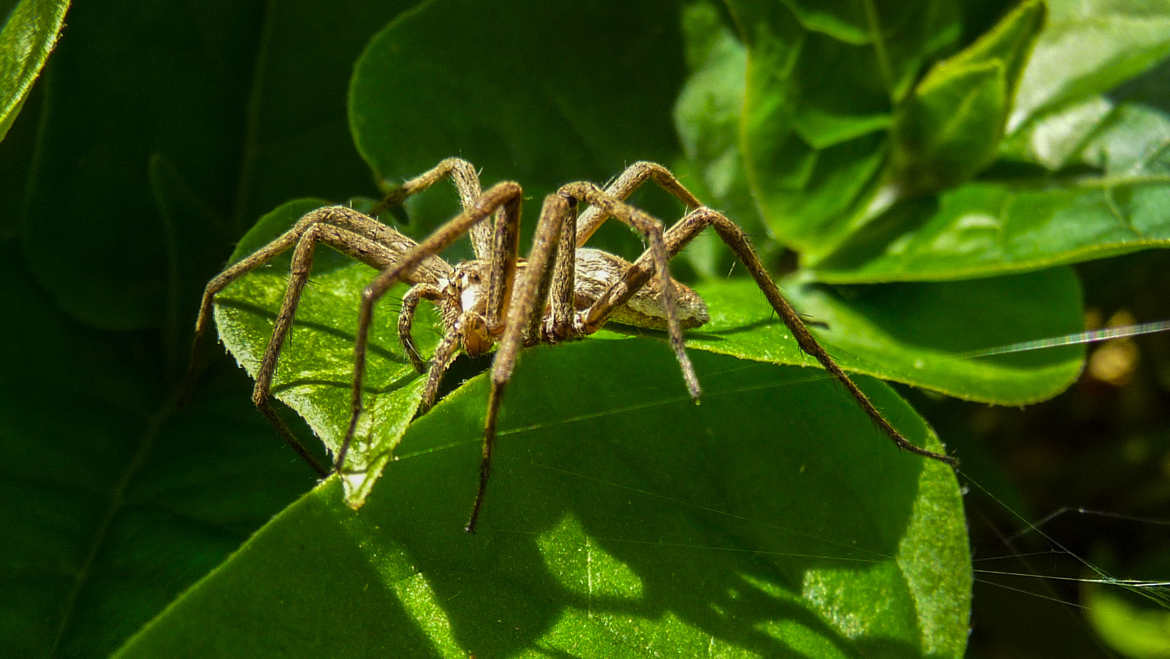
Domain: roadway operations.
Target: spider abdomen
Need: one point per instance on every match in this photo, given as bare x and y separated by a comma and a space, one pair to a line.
596, 271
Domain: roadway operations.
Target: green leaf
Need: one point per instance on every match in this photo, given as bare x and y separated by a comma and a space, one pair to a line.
619, 519
538, 98
706, 117
315, 370
923, 334
984, 229
910, 333
111, 500
1107, 194
26, 39
706, 114
813, 150
1128, 628
949, 127
217, 108
1087, 48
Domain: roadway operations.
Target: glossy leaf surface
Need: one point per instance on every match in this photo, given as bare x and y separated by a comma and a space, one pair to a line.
619, 518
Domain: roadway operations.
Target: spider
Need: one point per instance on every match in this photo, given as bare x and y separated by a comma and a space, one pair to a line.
562, 291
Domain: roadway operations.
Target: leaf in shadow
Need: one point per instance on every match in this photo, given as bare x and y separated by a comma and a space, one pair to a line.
539, 98
620, 517
113, 502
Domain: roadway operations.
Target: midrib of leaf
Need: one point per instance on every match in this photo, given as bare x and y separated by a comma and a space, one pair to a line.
117, 496
252, 120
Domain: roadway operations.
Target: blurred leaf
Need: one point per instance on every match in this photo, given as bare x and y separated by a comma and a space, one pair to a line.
113, 502
1107, 194
706, 117
538, 98
983, 229
1088, 47
950, 125
949, 128
707, 112
216, 107
1128, 628
29, 33
813, 150
619, 518
1122, 139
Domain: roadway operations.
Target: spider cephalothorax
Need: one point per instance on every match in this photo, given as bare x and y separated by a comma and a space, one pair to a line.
563, 290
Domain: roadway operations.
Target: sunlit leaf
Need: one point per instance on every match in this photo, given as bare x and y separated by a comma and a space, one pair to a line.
620, 518
26, 39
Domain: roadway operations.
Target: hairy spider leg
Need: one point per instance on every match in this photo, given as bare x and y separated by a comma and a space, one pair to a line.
578, 231
556, 232
441, 360
410, 302
677, 237
504, 197
348, 242
524, 314
345, 229
466, 180
652, 229
560, 290
625, 185
486, 240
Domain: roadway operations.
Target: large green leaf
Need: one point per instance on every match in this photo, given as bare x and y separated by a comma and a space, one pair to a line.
111, 500
924, 334
246, 106
813, 150
539, 97
621, 518
949, 127
1089, 47
919, 334
29, 33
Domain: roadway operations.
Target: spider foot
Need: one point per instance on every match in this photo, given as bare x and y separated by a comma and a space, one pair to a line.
553, 332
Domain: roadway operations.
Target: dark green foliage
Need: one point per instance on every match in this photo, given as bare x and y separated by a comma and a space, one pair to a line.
957, 149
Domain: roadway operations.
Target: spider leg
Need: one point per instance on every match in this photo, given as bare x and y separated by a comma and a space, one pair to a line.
302, 263
505, 197
625, 185
678, 236
523, 316
652, 229
441, 361
466, 181
560, 290
390, 244
406, 319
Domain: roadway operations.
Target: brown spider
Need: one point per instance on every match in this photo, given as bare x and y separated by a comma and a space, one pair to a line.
562, 291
